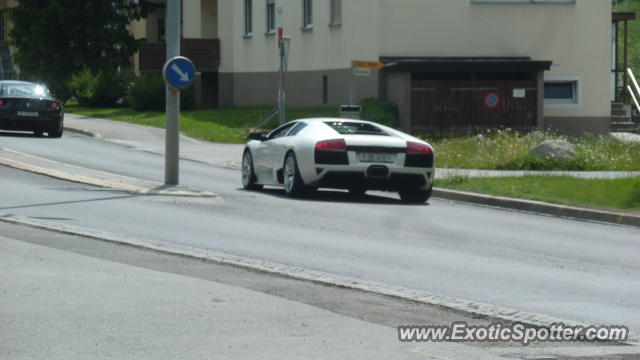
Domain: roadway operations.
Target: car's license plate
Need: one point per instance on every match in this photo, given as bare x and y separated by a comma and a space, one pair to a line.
376, 157
28, 113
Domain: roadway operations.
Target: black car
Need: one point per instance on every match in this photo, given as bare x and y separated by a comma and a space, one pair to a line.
26, 106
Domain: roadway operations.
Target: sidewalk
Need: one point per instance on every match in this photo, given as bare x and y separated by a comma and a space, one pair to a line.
153, 139
61, 305
230, 155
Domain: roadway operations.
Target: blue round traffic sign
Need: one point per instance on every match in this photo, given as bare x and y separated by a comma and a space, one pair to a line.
179, 72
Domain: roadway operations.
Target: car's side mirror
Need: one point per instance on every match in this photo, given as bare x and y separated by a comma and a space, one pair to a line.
257, 136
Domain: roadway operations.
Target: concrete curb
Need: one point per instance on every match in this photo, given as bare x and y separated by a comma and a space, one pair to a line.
540, 207
303, 274
80, 131
448, 173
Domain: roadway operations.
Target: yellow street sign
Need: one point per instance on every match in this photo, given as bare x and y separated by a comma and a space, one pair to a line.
360, 64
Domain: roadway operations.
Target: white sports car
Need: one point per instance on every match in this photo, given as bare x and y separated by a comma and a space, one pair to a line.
357, 155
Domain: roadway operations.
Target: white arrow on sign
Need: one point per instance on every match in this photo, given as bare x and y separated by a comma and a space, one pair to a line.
183, 75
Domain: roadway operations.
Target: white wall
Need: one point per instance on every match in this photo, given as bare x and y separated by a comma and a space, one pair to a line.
576, 37
322, 48
209, 19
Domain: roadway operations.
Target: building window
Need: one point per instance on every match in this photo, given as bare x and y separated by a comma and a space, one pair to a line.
248, 18
161, 30
2, 32
561, 92
307, 14
325, 90
336, 12
271, 16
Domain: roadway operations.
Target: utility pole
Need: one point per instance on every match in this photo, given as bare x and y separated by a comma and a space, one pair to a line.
172, 141
352, 88
281, 70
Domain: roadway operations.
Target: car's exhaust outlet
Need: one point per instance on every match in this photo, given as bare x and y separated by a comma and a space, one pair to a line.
377, 172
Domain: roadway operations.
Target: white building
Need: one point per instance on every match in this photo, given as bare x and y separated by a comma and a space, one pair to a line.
454, 64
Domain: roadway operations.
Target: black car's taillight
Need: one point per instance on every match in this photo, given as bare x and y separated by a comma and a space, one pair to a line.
3, 102
54, 105
331, 152
418, 155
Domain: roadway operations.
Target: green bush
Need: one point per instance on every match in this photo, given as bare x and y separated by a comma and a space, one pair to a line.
379, 111
148, 92
101, 89
188, 99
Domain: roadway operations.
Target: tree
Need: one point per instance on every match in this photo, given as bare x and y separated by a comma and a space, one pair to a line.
56, 38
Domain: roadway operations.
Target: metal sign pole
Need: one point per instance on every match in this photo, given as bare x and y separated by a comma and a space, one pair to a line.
172, 144
281, 90
352, 91
281, 57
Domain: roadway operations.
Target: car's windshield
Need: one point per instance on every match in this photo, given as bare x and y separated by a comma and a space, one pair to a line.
355, 128
24, 91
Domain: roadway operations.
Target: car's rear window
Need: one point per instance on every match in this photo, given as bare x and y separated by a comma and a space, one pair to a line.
355, 128
24, 91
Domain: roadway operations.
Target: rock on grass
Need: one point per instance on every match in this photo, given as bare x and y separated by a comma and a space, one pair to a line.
554, 149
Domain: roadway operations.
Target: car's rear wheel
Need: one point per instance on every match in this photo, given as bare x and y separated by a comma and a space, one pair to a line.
248, 174
415, 196
56, 132
293, 184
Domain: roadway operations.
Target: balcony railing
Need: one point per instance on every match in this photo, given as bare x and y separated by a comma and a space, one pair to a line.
205, 54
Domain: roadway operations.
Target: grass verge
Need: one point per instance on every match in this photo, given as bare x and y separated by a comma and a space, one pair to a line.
509, 150
501, 150
617, 194
225, 125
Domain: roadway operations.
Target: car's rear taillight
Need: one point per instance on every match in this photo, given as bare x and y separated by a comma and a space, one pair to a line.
54, 105
331, 152
418, 155
415, 148
331, 145
2, 103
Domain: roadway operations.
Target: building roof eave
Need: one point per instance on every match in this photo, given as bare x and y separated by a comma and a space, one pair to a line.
617, 17
464, 63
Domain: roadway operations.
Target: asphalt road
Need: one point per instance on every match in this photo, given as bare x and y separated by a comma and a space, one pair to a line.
116, 310
570, 269
124, 302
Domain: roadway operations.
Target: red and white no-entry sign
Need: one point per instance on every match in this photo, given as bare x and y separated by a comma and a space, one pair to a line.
492, 100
